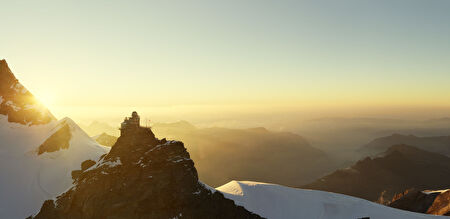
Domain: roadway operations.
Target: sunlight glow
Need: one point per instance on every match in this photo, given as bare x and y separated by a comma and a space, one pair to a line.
47, 99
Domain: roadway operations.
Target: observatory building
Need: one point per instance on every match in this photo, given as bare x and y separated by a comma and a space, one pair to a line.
130, 123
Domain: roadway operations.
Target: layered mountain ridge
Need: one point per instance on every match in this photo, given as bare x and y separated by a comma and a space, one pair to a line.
437, 144
288, 157
401, 167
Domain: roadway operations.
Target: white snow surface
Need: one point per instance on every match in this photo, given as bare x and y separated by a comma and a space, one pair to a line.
277, 202
428, 192
28, 179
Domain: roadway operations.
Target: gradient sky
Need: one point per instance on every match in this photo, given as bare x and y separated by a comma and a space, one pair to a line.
313, 54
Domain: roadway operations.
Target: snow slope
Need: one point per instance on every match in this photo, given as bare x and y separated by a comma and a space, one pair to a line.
27, 179
37, 152
276, 202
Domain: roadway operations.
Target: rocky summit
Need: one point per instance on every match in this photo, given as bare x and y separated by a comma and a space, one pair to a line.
18, 103
141, 177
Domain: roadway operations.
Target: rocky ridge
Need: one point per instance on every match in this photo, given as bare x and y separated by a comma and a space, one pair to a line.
428, 201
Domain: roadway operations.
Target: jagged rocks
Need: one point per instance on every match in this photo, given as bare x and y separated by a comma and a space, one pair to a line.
142, 177
429, 202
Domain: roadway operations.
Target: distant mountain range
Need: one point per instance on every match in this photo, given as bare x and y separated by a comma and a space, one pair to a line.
437, 144
401, 167
145, 177
340, 134
142, 176
97, 128
248, 154
223, 154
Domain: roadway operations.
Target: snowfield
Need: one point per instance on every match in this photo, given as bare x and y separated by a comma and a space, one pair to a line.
28, 179
277, 202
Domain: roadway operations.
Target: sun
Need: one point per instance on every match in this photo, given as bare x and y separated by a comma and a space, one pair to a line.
47, 99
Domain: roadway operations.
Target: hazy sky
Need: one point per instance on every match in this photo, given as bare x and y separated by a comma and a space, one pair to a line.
264, 54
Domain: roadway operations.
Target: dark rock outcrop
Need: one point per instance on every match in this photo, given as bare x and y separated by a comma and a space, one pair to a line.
376, 179
59, 140
142, 177
428, 202
87, 164
17, 102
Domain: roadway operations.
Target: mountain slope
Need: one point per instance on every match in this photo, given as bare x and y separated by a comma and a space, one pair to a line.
30, 172
428, 201
402, 167
279, 202
37, 152
142, 177
251, 154
437, 144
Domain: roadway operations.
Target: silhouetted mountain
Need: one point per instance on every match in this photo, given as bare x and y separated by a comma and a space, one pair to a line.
402, 167
340, 137
180, 125
437, 144
142, 177
223, 154
428, 202
105, 139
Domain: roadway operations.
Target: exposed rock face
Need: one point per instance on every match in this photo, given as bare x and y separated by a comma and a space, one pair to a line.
142, 177
59, 140
17, 102
375, 179
429, 202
